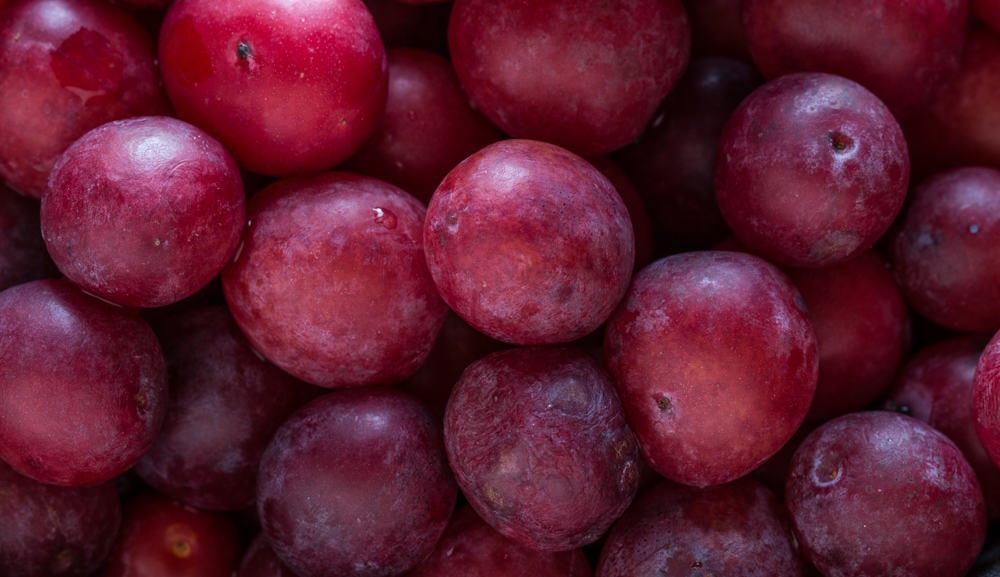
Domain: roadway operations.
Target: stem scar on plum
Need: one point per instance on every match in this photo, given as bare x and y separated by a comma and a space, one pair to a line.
839, 141
245, 55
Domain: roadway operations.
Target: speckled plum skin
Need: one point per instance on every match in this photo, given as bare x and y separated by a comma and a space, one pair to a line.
583, 74
70, 543
84, 386
986, 399
143, 211
672, 530
226, 402
715, 361
936, 386
811, 170
863, 329
878, 493
945, 248
67, 66
288, 88
529, 243
901, 50
471, 548
539, 445
356, 484
331, 283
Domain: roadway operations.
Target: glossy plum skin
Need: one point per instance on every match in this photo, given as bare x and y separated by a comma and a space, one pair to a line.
37, 543
863, 329
936, 386
539, 445
879, 493
673, 530
225, 405
428, 127
715, 361
901, 50
673, 162
583, 74
23, 256
811, 170
67, 66
356, 483
287, 88
471, 548
944, 248
162, 538
331, 284
143, 211
529, 243
84, 386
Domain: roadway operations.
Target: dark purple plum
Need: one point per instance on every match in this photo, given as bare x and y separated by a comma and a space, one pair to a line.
225, 405
715, 361
83, 391
52, 531
471, 548
67, 66
287, 88
672, 530
331, 284
878, 493
259, 560
356, 483
529, 243
586, 75
901, 50
23, 256
812, 169
539, 445
428, 127
944, 247
143, 211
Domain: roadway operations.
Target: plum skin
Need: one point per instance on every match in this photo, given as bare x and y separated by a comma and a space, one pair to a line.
715, 361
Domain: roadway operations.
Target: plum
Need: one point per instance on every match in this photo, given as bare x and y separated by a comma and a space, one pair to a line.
23, 256
539, 445
586, 75
529, 243
355, 483
83, 392
143, 211
879, 493
715, 361
812, 169
331, 284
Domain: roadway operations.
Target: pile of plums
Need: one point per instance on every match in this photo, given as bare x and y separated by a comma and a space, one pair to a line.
534, 288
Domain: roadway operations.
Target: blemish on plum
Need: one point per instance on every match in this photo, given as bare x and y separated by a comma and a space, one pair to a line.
245, 56
384, 217
839, 141
664, 404
827, 470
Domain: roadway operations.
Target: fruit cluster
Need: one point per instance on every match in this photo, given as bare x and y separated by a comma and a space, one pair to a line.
380, 288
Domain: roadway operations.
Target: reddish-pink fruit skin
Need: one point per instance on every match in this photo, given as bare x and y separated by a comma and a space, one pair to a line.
259, 560
67, 66
584, 74
143, 211
428, 127
51, 531
945, 247
863, 328
225, 405
84, 385
331, 283
901, 50
23, 256
672, 530
811, 170
356, 483
642, 226
529, 243
936, 386
988, 11
986, 399
539, 445
715, 361
471, 548
288, 88
878, 493
162, 538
